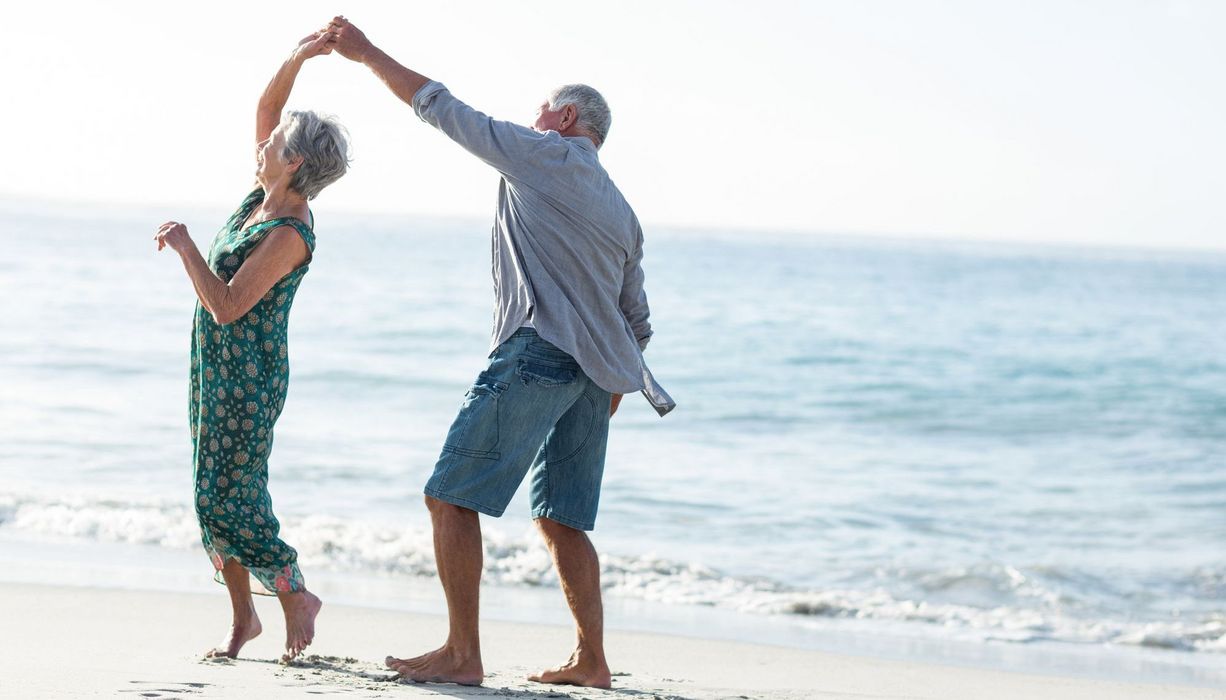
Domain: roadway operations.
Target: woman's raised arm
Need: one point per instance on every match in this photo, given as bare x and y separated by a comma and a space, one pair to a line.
276, 94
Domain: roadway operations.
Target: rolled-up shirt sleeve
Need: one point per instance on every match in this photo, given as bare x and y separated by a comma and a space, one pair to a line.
633, 298
505, 146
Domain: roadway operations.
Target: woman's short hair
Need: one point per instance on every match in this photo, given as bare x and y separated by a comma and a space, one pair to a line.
323, 145
594, 115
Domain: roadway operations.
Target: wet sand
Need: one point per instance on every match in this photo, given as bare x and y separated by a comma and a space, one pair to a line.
82, 642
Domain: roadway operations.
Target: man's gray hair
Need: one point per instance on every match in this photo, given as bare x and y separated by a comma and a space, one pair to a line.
322, 143
594, 115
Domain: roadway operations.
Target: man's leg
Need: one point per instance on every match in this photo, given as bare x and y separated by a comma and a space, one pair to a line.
458, 553
565, 498
579, 570
245, 625
505, 418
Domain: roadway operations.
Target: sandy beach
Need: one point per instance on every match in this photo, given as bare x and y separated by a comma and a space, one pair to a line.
84, 642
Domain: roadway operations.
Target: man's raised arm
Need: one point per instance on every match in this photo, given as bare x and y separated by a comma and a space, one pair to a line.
509, 148
351, 43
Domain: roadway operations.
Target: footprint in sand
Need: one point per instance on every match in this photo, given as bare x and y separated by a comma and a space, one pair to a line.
167, 689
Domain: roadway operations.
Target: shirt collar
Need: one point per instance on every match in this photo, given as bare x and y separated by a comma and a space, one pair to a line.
582, 142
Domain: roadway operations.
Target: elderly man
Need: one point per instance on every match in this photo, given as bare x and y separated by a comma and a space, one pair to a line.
570, 323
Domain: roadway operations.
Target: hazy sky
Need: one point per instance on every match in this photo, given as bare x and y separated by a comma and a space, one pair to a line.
1095, 122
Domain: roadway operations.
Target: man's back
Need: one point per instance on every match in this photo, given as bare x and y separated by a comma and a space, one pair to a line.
567, 246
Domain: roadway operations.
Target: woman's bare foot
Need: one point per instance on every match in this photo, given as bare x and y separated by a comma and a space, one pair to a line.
583, 669
241, 632
444, 665
300, 609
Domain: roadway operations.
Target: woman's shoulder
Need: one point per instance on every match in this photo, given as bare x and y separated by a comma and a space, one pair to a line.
287, 235
291, 227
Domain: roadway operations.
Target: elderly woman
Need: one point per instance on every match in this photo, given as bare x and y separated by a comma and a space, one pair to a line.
239, 368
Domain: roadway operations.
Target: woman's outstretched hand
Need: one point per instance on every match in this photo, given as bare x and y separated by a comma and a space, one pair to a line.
315, 44
173, 234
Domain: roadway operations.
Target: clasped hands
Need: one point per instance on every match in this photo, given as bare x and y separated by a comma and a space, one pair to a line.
339, 35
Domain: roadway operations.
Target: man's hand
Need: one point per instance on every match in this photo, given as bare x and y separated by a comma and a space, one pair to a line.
173, 234
348, 40
614, 403
316, 44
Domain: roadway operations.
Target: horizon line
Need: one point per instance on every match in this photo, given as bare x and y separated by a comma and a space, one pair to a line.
40, 205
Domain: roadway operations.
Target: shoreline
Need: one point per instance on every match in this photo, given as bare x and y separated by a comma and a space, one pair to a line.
141, 569
80, 641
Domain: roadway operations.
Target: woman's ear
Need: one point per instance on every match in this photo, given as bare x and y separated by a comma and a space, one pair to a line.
292, 166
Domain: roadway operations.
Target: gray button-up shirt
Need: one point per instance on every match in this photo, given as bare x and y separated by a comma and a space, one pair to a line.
567, 247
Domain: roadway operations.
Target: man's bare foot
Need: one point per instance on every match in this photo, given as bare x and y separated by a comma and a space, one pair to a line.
444, 665
241, 632
300, 610
587, 670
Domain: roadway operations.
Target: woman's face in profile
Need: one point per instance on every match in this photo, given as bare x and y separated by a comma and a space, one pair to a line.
270, 163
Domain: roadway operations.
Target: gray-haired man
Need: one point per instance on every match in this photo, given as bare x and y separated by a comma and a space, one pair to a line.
569, 328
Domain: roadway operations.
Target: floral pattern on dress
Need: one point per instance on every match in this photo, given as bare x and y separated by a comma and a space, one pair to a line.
239, 379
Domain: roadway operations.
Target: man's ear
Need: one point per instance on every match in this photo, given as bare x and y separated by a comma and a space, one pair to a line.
570, 115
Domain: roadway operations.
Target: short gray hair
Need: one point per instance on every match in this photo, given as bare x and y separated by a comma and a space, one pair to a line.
323, 145
594, 115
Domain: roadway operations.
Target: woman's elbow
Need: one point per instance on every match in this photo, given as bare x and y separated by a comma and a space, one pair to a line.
229, 308
224, 317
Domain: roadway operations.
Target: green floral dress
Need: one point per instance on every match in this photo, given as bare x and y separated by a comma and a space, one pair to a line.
239, 377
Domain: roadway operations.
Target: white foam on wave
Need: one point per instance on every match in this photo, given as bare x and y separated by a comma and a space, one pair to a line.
353, 545
149, 522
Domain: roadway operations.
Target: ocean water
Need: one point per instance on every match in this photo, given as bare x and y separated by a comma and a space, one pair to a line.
1005, 445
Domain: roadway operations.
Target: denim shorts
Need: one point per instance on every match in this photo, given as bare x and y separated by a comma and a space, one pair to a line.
532, 409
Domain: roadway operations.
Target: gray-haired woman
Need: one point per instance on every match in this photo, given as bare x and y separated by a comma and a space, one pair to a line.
239, 368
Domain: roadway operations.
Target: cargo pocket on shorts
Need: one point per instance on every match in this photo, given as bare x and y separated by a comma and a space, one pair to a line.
475, 431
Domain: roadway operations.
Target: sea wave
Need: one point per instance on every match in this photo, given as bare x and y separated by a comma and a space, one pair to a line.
366, 546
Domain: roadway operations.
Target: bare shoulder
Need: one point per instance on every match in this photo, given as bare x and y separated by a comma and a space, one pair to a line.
285, 243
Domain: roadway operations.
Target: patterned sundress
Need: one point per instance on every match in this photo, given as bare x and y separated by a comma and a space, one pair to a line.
239, 377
